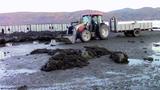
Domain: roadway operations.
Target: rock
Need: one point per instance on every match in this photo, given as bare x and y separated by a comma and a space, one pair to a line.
27, 54
47, 43
53, 43
95, 51
22, 87
145, 51
144, 48
119, 57
130, 41
148, 58
35, 42
2, 42
141, 41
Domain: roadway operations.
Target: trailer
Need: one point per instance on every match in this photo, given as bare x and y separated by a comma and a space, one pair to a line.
132, 28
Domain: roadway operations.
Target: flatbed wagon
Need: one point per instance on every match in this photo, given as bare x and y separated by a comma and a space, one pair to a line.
132, 28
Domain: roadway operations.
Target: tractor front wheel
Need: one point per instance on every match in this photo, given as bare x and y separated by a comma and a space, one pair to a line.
85, 36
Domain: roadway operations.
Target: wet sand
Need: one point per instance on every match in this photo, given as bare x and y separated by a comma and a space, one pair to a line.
101, 74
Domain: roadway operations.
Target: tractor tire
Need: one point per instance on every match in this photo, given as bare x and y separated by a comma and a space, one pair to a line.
136, 33
103, 32
85, 36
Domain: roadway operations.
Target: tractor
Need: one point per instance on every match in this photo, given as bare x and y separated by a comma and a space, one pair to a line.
90, 26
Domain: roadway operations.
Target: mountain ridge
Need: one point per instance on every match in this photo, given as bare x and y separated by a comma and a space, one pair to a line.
14, 18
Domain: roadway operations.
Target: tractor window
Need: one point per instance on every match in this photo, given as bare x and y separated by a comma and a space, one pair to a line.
86, 19
100, 19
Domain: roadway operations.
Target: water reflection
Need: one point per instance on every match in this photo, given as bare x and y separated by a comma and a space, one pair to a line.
19, 50
4, 55
23, 49
133, 62
9, 44
156, 48
155, 60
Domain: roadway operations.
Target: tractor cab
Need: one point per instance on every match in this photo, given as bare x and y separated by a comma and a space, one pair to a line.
90, 18
92, 21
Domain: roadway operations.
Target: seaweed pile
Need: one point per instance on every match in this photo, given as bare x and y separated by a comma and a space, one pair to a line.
29, 36
62, 59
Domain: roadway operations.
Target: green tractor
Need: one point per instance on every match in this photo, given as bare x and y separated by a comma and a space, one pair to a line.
90, 26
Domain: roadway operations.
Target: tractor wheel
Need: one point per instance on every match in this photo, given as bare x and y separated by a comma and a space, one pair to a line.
85, 36
103, 32
136, 33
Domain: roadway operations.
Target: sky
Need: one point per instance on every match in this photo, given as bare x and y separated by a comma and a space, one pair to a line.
72, 5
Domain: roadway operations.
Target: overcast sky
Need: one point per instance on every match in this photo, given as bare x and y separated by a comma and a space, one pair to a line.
72, 5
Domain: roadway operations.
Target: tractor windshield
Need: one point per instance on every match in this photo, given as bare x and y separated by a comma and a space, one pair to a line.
86, 19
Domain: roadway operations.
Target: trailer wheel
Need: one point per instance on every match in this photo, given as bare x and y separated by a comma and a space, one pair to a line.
136, 32
103, 32
85, 36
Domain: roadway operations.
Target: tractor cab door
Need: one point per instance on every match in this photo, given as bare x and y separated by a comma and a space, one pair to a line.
86, 20
95, 23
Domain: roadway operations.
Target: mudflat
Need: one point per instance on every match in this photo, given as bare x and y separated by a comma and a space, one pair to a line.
22, 70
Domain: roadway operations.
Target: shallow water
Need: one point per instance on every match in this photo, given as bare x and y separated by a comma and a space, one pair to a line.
155, 62
7, 73
133, 62
156, 47
21, 49
155, 56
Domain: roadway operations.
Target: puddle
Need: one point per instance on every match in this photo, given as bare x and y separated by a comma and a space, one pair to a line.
5, 73
141, 77
115, 73
54, 43
22, 49
4, 55
135, 62
19, 50
156, 61
155, 57
156, 47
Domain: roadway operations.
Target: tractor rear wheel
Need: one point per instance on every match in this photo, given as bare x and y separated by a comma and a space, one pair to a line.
85, 36
103, 32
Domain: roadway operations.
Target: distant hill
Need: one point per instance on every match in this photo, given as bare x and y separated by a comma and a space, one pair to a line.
145, 13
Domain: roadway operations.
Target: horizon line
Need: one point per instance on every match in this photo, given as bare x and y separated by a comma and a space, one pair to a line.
74, 11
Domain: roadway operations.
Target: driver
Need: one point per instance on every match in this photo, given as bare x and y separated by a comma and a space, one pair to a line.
94, 23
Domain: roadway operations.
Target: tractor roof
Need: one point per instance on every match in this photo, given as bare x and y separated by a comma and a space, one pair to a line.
93, 14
